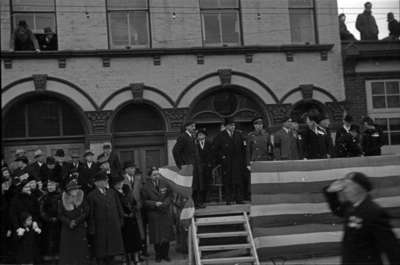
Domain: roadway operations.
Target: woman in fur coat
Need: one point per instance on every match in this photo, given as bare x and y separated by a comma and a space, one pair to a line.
73, 212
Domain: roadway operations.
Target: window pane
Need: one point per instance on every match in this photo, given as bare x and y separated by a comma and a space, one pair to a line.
28, 17
71, 122
394, 124
395, 138
301, 4
33, 5
378, 88
392, 88
219, 4
43, 119
119, 29
211, 28
14, 122
302, 25
126, 4
382, 123
43, 21
393, 101
138, 27
230, 27
378, 102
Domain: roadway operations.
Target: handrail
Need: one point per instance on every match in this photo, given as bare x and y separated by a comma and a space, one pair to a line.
251, 239
195, 243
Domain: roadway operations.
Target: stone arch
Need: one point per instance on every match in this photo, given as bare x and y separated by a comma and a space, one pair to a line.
48, 83
307, 92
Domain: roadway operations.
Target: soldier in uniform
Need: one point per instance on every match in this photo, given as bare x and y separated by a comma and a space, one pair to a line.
367, 230
286, 141
259, 147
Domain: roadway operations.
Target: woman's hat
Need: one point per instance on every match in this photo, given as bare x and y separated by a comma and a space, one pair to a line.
50, 160
88, 152
72, 185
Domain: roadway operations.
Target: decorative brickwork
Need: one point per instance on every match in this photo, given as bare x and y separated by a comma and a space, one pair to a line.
137, 91
175, 118
99, 120
225, 75
40, 82
278, 112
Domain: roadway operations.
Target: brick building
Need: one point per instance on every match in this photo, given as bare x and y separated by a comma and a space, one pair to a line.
372, 80
132, 71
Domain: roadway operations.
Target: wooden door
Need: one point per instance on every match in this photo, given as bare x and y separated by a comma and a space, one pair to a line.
144, 156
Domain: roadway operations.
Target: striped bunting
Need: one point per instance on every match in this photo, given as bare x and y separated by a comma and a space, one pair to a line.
289, 215
180, 182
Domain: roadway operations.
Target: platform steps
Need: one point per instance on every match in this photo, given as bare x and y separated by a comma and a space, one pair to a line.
225, 239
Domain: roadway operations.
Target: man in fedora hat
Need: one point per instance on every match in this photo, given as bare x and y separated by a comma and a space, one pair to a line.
367, 230
35, 167
62, 167
229, 148
88, 170
184, 150
14, 165
203, 168
105, 220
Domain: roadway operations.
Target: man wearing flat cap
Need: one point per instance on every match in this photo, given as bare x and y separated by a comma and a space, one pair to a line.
229, 148
286, 142
112, 158
367, 230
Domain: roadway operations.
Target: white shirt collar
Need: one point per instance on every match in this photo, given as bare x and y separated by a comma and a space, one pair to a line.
286, 129
188, 133
347, 128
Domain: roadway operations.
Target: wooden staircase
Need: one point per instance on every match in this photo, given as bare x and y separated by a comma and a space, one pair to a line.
222, 239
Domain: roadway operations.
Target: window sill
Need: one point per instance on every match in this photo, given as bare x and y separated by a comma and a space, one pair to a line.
149, 52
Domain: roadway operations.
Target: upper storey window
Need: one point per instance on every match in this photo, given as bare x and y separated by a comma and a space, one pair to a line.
220, 22
128, 23
302, 21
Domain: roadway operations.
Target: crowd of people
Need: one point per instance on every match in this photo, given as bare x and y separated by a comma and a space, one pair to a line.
77, 211
82, 212
231, 152
366, 25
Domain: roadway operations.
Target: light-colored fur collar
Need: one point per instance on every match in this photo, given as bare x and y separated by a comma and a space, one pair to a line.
72, 202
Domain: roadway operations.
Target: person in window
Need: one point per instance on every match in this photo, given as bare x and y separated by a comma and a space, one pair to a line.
48, 41
23, 38
156, 195
393, 26
348, 144
372, 138
366, 24
344, 32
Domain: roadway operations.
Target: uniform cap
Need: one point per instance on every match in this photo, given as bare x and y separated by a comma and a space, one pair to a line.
257, 120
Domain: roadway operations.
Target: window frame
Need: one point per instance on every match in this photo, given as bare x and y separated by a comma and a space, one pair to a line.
14, 22
218, 9
315, 22
149, 37
381, 113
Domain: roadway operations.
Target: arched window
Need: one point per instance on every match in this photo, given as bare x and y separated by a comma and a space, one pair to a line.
138, 118
42, 116
305, 106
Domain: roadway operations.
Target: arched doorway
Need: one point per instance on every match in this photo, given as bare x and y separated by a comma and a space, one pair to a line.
305, 106
211, 107
139, 134
47, 121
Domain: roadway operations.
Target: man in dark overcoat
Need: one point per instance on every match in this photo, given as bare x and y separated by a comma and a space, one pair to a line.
87, 172
184, 150
105, 220
203, 168
229, 148
367, 230
315, 138
372, 138
157, 196
35, 167
366, 24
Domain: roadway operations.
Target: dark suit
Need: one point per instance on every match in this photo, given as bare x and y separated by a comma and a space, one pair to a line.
230, 153
86, 175
203, 171
184, 150
286, 145
339, 133
113, 160
316, 145
367, 232
50, 174
34, 170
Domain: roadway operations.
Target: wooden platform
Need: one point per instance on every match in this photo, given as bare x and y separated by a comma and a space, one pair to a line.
211, 210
